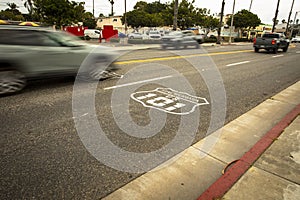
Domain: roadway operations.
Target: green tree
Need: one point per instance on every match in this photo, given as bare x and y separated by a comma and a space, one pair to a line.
210, 22
29, 5
245, 20
89, 20
60, 12
11, 13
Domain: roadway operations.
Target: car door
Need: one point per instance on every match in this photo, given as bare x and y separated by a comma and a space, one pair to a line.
61, 53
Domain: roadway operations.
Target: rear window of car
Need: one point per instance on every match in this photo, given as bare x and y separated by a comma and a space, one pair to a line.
271, 36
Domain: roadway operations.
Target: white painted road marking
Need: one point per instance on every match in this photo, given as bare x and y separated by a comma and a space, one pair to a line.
277, 56
297, 51
239, 63
137, 82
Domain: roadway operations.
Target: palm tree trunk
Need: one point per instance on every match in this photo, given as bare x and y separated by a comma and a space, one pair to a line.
175, 15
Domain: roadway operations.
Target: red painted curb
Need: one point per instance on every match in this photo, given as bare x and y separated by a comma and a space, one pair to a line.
232, 175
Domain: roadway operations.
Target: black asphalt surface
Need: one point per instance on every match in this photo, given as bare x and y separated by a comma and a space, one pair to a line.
43, 155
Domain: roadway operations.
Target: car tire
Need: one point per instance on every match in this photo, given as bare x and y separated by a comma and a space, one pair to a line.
285, 49
131, 37
275, 50
256, 50
11, 81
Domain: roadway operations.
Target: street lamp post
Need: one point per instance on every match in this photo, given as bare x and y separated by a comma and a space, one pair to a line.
231, 24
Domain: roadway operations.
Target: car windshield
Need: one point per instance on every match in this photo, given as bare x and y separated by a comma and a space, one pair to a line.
65, 39
154, 32
270, 36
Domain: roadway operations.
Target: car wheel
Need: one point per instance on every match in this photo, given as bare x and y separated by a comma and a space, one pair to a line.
285, 49
131, 37
256, 50
11, 81
275, 50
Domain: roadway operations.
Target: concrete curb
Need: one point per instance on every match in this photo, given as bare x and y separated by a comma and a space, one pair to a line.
189, 174
239, 168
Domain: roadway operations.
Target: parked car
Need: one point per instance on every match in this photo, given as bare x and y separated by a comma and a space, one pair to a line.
92, 34
136, 35
35, 52
296, 39
154, 35
271, 42
178, 40
121, 35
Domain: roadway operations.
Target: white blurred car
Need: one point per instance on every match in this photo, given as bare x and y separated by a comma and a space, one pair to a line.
154, 35
136, 35
296, 39
36, 53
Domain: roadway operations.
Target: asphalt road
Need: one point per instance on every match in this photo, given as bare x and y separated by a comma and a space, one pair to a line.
50, 146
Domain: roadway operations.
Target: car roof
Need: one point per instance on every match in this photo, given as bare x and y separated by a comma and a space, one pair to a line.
19, 27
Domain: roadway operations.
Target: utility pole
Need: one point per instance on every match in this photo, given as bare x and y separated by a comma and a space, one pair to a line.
221, 23
175, 15
250, 5
125, 19
276, 14
288, 22
231, 25
94, 8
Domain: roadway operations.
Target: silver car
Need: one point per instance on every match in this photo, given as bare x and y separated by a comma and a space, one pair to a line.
136, 35
31, 52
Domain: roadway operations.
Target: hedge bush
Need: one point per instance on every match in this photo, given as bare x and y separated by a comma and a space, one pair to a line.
114, 40
139, 41
210, 40
241, 40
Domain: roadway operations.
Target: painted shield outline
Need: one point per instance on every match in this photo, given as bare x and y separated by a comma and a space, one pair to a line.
174, 94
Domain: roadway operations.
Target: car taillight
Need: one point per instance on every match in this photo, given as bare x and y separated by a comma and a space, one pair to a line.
254, 41
273, 41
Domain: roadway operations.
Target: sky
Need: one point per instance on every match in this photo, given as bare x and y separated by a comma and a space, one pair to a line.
265, 9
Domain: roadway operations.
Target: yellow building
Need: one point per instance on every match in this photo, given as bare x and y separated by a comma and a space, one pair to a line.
115, 21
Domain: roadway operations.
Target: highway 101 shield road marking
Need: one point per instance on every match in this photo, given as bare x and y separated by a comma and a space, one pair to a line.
169, 100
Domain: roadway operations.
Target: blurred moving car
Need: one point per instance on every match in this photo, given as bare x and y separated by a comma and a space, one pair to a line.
31, 52
198, 37
296, 39
177, 40
136, 35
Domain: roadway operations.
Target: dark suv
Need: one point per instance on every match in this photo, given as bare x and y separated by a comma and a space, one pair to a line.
35, 52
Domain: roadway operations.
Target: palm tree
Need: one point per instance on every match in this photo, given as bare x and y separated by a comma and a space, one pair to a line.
175, 15
112, 7
29, 5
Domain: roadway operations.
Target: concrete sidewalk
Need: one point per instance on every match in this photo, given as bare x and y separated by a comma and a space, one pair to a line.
197, 173
276, 174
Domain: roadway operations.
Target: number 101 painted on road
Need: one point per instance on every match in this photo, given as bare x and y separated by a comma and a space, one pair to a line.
169, 100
